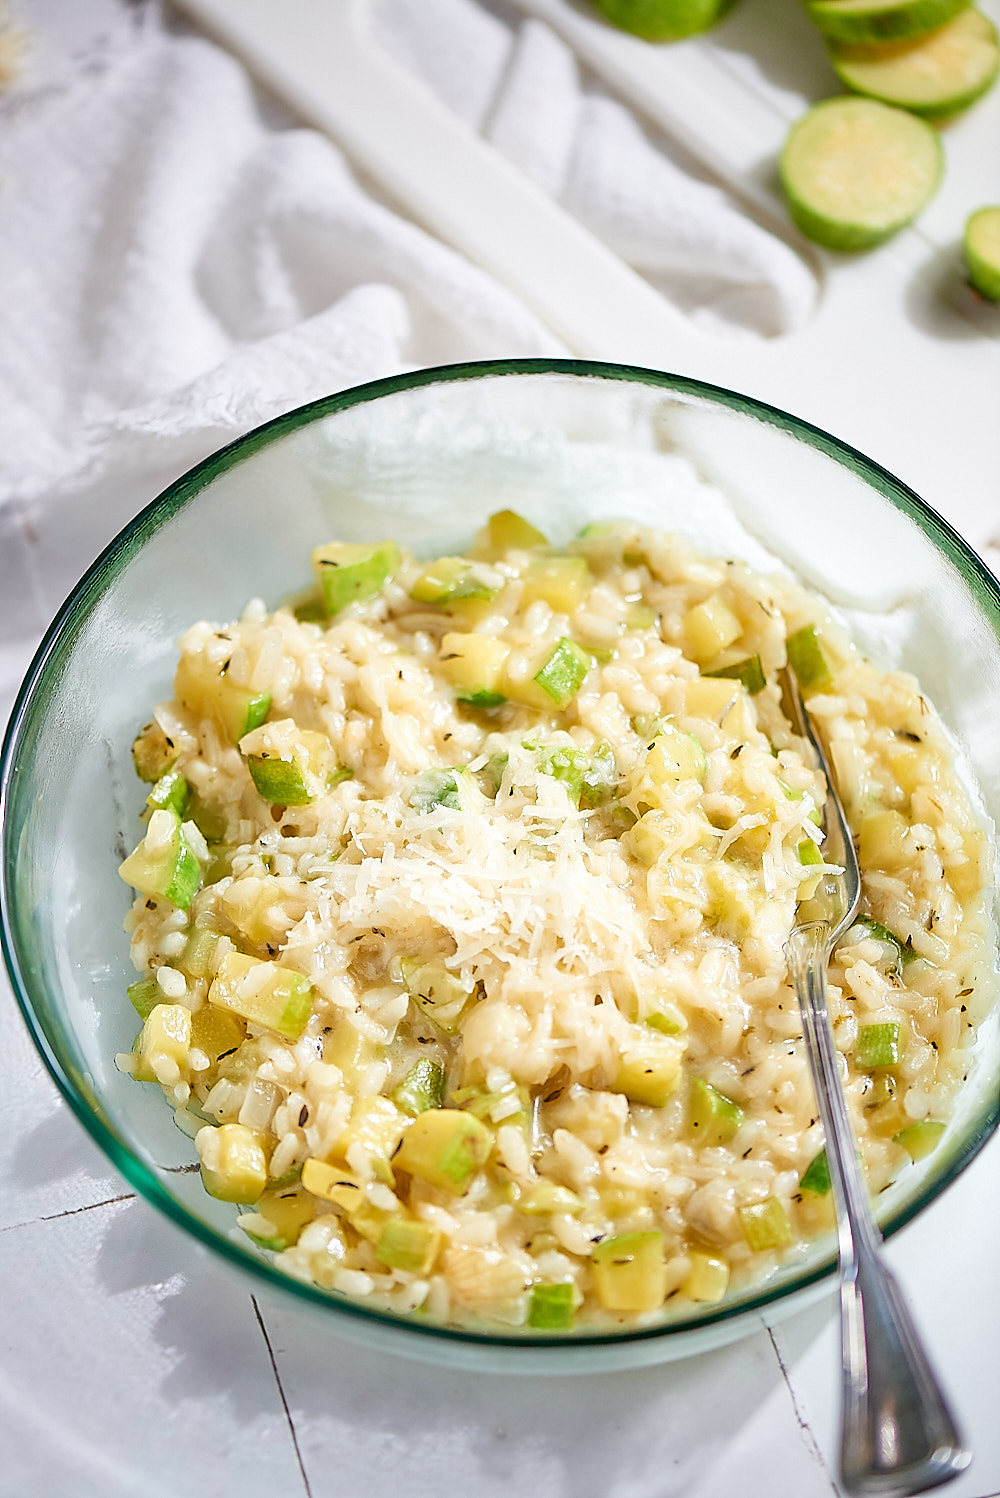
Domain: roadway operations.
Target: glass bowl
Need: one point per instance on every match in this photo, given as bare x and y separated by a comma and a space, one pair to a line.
425, 458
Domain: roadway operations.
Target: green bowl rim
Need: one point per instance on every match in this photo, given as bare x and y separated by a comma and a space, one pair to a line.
61, 633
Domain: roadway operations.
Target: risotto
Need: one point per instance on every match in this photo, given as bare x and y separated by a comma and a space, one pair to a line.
461, 912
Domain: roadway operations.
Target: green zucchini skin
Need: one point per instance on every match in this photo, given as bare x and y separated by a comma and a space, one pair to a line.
664, 20
881, 20
981, 250
837, 141
936, 76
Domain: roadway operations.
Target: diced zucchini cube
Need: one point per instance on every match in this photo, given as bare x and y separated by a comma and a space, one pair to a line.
170, 793
509, 531
639, 616
205, 689
473, 666
163, 867
920, 1139
421, 1088
650, 1068
806, 658
216, 1032
749, 671
439, 994
816, 1176
765, 1225
281, 1216
199, 951
629, 1271
561, 676
349, 1050
333, 1183
561, 582
153, 752
233, 1163
668, 1019
452, 580
809, 853
163, 1044
144, 995
263, 993
884, 841
290, 766
445, 1147
713, 1118
722, 702
710, 628
351, 573
438, 787
546, 1198
674, 757
376, 1127
708, 1278
412, 1246
551, 1308
877, 1045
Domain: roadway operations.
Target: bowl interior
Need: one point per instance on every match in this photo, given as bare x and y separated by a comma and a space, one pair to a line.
425, 459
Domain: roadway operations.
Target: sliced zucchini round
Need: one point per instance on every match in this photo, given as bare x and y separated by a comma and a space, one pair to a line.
855, 171
663, 20
935, 76
981, 247
881, 20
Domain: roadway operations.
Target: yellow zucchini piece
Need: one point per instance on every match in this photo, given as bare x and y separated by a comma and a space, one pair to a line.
153, 753
163, 1044
562, 582
650, 1068
216, 1032
290, 766
713, 1118
765, 1225
452, 580
509, 531
284, 1214
920, 1139
233, 1163
436, 992
546, 1198
333, 1183
884, 841
163, 866
412, 1246
674, 757
350, 573
376, 1125
710, 628
349, 1050
207, 692
708, 1278
446, 1147
629, 1271
263, 993
722, 702
473, 667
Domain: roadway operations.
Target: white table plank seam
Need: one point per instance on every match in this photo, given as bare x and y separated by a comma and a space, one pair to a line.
284, 1401
30, 1222
808, 1438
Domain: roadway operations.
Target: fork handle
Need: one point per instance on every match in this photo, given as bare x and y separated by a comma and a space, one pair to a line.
898, 1435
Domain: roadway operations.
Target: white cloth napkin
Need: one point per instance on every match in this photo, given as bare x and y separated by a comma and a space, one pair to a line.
179, 264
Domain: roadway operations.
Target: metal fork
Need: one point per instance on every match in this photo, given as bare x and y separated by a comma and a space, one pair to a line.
898, 1435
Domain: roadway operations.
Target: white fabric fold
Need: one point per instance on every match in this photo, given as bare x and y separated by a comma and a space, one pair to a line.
177, 267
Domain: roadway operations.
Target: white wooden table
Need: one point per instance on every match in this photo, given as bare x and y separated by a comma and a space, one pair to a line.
132, 1363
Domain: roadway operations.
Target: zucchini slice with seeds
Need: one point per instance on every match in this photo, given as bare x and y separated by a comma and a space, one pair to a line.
935, 76
855, 171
